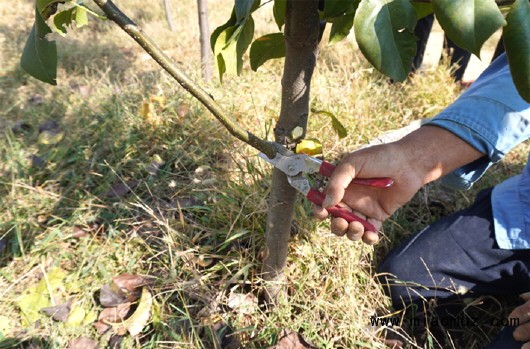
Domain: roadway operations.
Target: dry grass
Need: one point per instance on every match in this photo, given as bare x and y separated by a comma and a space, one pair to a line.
197, 224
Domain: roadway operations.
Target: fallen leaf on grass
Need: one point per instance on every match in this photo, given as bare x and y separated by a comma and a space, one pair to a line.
115, 314
83, 343
292, 340
78, 232
76, 317
50, 133
129, 282
35, 99
58, 312
21, 126
111, 296
120, 189
187, 202
183, 109
155, 165
243, 303
37, 161
5, 326
115, 341
38, 296
137, 321
101, 327
161, 100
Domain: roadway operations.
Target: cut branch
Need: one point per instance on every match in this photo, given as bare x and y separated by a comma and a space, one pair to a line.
134, 31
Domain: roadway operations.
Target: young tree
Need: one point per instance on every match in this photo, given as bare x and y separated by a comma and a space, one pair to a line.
384, 30
204, 29
169, 18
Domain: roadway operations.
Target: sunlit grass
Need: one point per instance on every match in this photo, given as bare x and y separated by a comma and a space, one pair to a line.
196, 223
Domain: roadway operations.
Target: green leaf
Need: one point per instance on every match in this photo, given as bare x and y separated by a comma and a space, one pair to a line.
278, 11
243, 8
218, 40
236, 41
47, 7
516, 36
385, 33
341, 27
334, 8
37, 297
215, 35
423, 9
335, 123
39, 58
266, 47
81, 17
63, 19
469, 23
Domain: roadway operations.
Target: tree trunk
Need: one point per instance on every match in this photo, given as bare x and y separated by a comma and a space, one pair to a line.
204, 27
168, 15
302, 31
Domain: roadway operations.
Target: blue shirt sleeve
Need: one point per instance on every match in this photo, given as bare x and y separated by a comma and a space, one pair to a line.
491, 116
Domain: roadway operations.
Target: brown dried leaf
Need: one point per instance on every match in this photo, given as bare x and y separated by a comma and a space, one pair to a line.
183, 109
50, 125
115, 341
37, 161
292, 340
58, 312
187, 201
115, 314
120, 189
50, 132
83, 343
111, 296
155, 165
129, 282
101, 327
21, 126
78, 232
35, 99
137, 321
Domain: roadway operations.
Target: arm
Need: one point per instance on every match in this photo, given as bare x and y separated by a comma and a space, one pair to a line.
419, 158
474, 132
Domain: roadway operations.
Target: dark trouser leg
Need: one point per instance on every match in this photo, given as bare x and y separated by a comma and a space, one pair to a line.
499, 50
454, 257
422, 31
459, 58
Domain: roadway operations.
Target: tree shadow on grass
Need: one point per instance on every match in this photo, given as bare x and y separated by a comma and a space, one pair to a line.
31, 343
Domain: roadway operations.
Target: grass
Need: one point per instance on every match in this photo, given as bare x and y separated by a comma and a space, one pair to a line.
195, 213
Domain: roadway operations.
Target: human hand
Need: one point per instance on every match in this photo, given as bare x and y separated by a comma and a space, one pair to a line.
371, 203
522, 312
419, 158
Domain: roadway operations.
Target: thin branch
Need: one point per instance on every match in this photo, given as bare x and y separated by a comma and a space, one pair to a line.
125, 23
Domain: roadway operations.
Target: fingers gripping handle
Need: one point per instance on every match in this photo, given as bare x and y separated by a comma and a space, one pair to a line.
317, 197
326, 169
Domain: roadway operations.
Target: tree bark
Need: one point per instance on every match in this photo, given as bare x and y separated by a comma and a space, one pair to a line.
302, 29
204, 27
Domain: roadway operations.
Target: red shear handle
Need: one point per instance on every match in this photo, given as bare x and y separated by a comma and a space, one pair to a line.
326, 169
317, 197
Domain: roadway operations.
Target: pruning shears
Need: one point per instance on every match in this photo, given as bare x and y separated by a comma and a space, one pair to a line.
296, 166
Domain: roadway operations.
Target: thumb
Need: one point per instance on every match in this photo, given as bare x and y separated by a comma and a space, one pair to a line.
339, 181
